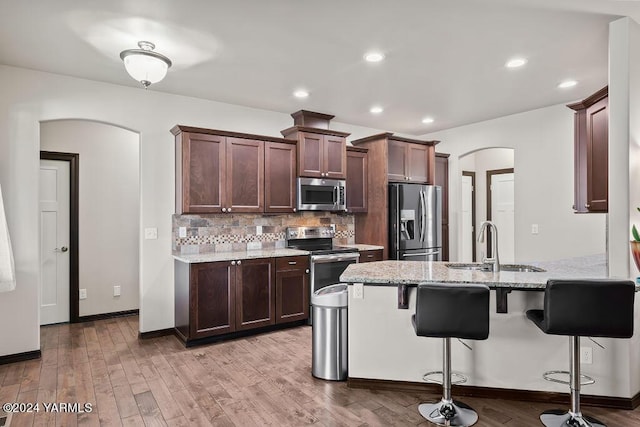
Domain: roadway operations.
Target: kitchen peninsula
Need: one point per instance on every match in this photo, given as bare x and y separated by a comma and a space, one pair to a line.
385, 352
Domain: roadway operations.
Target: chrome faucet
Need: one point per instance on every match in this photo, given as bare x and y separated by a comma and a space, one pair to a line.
493, 262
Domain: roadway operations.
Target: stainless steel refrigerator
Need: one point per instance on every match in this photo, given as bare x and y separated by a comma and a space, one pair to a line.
415, 222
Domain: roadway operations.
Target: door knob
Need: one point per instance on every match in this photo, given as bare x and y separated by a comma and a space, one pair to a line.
62, 249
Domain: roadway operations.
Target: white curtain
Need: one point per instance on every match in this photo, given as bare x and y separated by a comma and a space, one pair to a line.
7, 267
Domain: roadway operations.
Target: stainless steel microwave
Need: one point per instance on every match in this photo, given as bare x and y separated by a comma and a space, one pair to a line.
319, 194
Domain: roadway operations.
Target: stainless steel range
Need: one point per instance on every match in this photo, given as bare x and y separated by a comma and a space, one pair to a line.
327, 261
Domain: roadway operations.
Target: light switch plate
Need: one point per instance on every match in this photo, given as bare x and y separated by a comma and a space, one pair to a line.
150, 233
534, 228
82, 294
182, 231
116, 291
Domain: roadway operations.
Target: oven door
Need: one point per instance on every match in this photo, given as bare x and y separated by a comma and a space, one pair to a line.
326, 269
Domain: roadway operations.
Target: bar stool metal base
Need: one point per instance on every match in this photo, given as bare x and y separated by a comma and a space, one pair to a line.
560, 418
448, 413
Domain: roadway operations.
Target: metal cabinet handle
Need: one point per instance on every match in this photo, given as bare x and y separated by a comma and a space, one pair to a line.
229, 210
369, 256
62, 249
239, 262
307, 271
233, 263
292, 263
294, 209
587, 205
224, 209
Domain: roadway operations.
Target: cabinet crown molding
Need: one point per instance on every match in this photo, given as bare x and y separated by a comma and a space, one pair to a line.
295, 129
590, 100
391, 137
177, 129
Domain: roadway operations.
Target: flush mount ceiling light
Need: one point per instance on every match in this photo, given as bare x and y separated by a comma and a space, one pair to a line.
376, 110
427, 120
515, 63
373, 56
301, 93
145, 65
567, 84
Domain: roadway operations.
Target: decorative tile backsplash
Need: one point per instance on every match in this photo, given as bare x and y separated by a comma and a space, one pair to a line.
238, 232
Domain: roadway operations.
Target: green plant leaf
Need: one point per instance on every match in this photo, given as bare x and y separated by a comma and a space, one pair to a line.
636, 235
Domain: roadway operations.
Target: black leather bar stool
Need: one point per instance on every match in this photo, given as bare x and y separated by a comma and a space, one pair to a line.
587, 308
451, 311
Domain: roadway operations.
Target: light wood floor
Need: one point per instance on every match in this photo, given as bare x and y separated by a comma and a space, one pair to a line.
255, 381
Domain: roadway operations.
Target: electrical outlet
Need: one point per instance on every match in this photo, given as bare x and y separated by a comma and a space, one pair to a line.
586, 355
258, 230
116, 291
151, 233
534, 228
358, 290
83, 294
182, 232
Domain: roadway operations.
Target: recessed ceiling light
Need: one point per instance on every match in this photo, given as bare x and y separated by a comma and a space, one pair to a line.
567, 83
301, 93
374, 56
427, 120
376, 110
515, 63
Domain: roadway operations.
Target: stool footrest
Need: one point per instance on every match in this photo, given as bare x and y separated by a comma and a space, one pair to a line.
460, 378
549, 377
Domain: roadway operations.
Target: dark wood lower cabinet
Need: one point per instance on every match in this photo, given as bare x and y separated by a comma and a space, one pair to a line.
227, 297
292, 289
255, 297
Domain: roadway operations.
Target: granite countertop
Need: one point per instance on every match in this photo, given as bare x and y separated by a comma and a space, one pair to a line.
363, 247
230, 256
414, 272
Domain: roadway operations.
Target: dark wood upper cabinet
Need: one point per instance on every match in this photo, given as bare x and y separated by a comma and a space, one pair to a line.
224, 172
409, 162
200, 173
255, 293
322, 153
442, 179
292, 289
245, 175
591, 159
357, 176
279, 177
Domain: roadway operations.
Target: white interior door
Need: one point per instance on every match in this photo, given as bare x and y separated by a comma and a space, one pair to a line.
502, 214
467, 219
54, 241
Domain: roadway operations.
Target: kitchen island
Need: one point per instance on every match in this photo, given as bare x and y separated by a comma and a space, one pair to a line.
385, 352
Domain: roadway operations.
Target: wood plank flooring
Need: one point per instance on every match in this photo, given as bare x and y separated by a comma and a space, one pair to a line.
254, 381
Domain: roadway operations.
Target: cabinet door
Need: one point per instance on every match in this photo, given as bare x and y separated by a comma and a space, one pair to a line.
397, 159
370, 256
442, 179
334, 157
292, 289
598, 157
310, 151
255, 297
418, 163
357, 177
203, 173
280, 177
212, 301
245, 175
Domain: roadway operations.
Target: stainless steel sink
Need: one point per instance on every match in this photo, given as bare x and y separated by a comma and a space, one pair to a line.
520, 268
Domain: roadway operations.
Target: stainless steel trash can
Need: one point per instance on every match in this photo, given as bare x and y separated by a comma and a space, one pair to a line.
329, 346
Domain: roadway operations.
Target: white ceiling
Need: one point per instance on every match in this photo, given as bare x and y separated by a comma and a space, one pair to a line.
444, 58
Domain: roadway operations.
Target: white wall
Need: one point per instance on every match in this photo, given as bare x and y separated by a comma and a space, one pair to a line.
480, 162
543, 161
30, 97
109, 211
624, 161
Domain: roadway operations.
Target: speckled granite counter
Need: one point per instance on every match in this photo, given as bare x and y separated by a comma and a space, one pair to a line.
414, 272
363, 247
229, 256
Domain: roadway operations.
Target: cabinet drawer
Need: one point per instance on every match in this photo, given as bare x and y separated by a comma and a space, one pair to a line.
292, 262
369, 256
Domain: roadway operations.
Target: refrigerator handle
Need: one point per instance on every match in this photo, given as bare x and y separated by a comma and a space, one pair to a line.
423, 214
